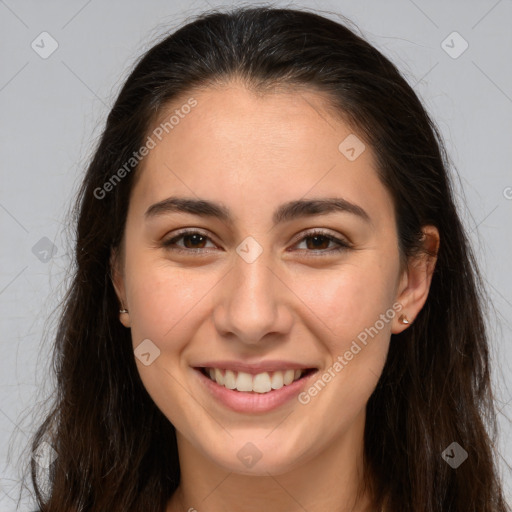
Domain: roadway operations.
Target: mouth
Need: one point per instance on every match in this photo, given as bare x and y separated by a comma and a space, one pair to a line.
259, 383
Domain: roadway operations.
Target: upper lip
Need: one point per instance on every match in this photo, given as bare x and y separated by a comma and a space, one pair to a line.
255, 368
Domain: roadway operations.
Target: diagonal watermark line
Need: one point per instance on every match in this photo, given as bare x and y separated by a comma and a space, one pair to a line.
13, 422
286, 491
73, 17
84, 83
317, 111
301, 300
372, 372
498, 292
13, 13
486, 14
14, 218
14, 76
492, 81
420, 79
181, 180
280, 423
12, 280
218, 485
424, 14
318, 181
491, 212
3, 489
499, 411
8, 418
198, 302
311, 188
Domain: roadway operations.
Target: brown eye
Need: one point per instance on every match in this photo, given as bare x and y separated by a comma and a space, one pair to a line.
318, 242
192, 241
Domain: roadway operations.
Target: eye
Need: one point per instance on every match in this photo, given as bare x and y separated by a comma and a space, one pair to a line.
320, 240
194, 242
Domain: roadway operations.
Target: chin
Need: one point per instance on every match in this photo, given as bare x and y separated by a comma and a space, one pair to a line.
258, 456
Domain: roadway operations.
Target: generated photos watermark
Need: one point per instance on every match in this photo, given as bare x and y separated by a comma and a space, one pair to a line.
137, 156
343, 360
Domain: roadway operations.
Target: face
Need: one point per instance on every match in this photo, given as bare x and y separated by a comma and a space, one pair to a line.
263, 283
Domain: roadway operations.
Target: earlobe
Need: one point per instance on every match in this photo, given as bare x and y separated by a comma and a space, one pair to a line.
124, 317
415, 283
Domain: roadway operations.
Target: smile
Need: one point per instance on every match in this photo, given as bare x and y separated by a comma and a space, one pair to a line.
259, 383
253, 388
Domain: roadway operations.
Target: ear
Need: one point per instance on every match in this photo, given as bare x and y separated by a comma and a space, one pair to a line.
117, 276
416, 278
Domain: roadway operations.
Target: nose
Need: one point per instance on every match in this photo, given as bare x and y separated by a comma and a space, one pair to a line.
253, 302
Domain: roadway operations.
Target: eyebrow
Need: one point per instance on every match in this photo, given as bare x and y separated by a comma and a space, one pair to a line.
284, 213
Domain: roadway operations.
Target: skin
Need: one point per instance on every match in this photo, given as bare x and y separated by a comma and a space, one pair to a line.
252, 153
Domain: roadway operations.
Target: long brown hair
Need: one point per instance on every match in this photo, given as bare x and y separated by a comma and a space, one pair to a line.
116, 450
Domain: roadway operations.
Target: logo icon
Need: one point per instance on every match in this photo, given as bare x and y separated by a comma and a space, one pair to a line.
454, 45
249, 455
351, 147
44, 45
44, 455
44, 250
249, 249
146, 352
454, 455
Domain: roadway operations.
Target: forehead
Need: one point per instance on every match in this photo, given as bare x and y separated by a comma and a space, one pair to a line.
248, 150
247, 122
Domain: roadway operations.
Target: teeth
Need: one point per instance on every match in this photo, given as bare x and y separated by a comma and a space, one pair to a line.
260, 383
229, 380
288, 377
244, 382
277, 380
218, 376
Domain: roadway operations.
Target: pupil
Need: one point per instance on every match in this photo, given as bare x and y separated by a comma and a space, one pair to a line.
317, 238
189, 237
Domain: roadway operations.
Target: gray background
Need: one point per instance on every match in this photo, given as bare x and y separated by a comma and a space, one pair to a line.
52, 111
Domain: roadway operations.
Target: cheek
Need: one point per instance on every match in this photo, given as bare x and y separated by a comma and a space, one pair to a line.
167, 307
348, 321
343, 302
165, 300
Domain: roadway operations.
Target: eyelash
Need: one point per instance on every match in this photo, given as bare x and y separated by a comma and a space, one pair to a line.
343, 245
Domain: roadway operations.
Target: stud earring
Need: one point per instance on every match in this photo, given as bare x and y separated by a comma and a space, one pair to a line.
403, 319
123, 311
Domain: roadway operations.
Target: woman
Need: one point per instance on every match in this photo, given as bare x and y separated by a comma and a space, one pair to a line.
275, 303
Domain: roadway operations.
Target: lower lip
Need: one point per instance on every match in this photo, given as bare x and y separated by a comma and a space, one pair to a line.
241, 401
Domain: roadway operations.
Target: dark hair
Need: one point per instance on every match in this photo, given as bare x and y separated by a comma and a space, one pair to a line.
116, 449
